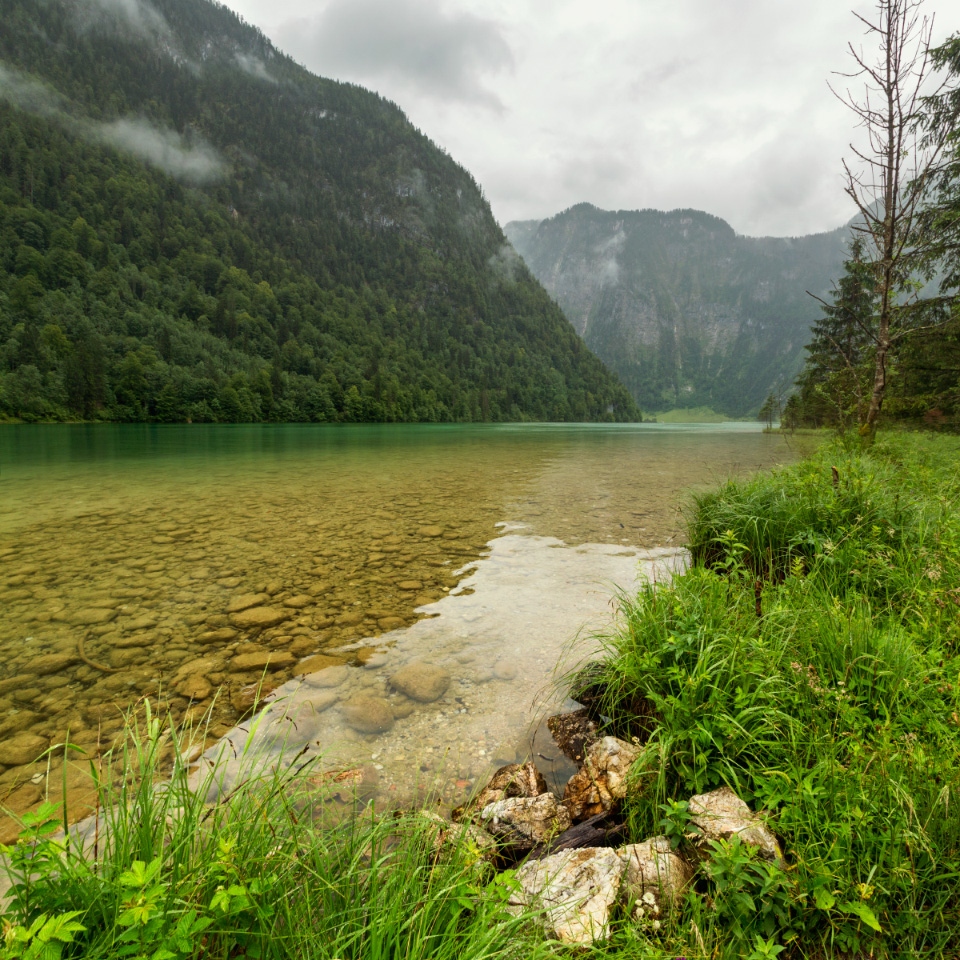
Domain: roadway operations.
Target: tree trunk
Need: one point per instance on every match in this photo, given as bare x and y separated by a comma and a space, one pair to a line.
868, 429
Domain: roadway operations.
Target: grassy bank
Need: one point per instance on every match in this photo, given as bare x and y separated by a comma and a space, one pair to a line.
807, 659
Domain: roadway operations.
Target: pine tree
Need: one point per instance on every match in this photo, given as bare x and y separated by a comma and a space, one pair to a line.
834, 383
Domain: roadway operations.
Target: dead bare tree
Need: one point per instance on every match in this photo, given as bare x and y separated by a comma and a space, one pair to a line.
890, 177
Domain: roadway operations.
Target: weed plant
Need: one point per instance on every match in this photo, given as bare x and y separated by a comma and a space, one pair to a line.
809, 660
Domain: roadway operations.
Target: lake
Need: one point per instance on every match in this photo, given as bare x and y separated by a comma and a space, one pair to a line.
197, 564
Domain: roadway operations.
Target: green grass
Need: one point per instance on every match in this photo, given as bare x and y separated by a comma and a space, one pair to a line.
269, 870
808, 659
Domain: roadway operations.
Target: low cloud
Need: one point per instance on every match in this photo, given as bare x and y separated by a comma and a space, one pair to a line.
421, 44
190, 159
505, 264
196, 162
254, 66
139, 15
28, 94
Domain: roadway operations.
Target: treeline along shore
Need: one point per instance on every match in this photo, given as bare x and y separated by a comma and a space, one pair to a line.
769, 750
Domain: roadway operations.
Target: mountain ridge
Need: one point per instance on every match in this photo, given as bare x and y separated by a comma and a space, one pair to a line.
688, 312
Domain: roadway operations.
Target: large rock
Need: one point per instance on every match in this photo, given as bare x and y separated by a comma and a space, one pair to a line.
421, 681
195, 687
458, 838
721, 814
368, 714
573, 733
259, 618
520, 823
654, 878
575, 891
601, 782
512, 780
23, 748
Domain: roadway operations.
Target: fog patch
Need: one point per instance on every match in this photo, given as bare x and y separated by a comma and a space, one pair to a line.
29, 94
254, 66
139, 15
506, 264
194, 161
187, 158
607, 250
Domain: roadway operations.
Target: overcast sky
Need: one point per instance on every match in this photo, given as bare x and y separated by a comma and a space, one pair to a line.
721, 105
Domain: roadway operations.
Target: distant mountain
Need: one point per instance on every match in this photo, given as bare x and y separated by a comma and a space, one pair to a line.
192, 226
687, 312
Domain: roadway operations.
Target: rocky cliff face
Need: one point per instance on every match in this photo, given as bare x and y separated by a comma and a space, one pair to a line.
684, 310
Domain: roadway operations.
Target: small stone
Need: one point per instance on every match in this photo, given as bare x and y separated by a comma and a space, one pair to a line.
390, 623
350, 619
259, 617
368, 714
504, 671
431, 531
298, 602
329, 677
600, 783
196, 687
721, 814
655, 876
420, 681
523, 822
52, 663
317, 663
23, 748
247, 600
92, 615
575, 890
409, 585
221, 635
271, 660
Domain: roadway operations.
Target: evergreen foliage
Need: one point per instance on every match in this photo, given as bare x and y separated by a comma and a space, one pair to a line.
193, 227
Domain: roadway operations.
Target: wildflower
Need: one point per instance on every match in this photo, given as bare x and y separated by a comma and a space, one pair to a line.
933, 573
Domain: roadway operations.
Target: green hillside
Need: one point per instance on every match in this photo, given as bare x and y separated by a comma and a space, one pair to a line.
193, 227
687, 312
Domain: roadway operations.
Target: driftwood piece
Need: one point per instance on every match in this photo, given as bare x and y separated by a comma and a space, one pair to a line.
603, 830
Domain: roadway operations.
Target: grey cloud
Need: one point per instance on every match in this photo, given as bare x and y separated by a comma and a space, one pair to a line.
438, 52
192, 160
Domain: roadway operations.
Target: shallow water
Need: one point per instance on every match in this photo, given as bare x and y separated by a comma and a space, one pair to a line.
176, 561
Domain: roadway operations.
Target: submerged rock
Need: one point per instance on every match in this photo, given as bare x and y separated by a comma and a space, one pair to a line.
259, 618
601, 782
23, 748
522, 822
655, 876
368, 714
420, 681
575, 891
573, 733
721, 814
247, 600
269, 659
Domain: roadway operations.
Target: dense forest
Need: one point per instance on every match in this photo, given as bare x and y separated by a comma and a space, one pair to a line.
192, 227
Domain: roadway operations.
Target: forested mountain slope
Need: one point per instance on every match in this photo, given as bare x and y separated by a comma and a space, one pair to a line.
194, 227
687, 312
